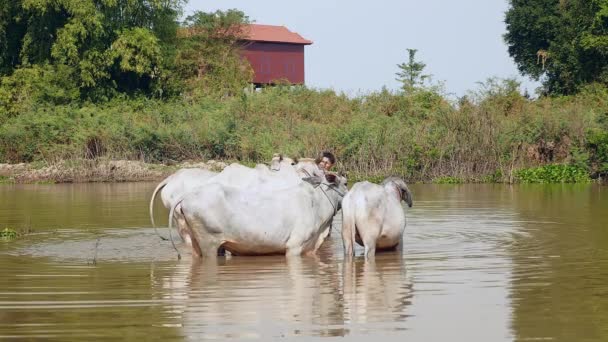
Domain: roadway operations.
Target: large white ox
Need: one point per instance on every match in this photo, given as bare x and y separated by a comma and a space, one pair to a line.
283, 172
266, 219
372, 215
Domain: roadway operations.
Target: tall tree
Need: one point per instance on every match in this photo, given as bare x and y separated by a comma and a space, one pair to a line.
410, 75
564, 43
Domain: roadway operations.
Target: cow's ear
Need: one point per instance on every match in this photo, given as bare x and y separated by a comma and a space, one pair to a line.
313, 180
330, 177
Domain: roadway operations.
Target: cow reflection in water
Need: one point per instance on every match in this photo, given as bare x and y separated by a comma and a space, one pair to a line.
269, 297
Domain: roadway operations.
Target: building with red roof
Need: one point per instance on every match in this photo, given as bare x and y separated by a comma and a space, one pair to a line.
276, 54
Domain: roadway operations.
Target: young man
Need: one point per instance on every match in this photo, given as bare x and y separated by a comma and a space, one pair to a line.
325, 161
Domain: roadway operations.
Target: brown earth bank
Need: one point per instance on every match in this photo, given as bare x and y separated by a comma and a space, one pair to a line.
107, 170
99, 170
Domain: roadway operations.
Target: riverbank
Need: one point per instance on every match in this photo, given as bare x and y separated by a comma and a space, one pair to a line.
98, 170
105, 170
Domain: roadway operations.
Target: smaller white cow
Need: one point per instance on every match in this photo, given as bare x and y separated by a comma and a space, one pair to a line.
373, 217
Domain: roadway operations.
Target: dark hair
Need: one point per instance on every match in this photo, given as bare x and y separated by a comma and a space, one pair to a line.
325, 154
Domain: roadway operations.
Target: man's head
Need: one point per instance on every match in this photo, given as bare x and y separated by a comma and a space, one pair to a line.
325, 160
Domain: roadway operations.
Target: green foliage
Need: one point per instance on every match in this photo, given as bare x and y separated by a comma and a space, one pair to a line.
29, 87
66, 51
448, 180
495, 177
553, 174
422, 136
564, 43
597, 143
356, 177
137, 50
208, 54
6, 180
105, 45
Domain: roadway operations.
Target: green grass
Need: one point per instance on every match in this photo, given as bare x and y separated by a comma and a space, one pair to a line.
448, 180
45, 182
7, 180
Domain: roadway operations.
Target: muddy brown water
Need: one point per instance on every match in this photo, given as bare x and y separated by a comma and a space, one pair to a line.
480, 263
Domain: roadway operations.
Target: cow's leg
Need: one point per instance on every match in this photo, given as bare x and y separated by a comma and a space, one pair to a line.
369, 230
370, 250
296, 242
210, 247
204, 245
324, 234
399, 247
293, 251
182, 229
196, 247
370, 237
348, 233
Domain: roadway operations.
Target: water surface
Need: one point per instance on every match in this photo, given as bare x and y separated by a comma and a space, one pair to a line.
480, 263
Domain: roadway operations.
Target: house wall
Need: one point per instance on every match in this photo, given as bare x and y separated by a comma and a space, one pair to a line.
275, 61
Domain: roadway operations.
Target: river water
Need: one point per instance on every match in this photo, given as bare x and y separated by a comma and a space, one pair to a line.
480, 263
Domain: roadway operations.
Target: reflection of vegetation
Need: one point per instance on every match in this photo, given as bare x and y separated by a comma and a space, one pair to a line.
6, 180
553, 174
8, 234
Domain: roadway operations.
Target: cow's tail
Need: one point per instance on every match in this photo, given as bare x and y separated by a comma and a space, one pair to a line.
171, 212
158, 188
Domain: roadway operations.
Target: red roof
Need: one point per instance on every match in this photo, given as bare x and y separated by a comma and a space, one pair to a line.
275, 34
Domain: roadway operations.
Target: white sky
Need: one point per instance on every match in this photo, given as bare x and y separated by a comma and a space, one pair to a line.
358, 44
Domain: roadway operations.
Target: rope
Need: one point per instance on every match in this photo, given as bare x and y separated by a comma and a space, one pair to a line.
327, 196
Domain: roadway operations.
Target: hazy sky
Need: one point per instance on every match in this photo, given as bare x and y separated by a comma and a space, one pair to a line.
358, 44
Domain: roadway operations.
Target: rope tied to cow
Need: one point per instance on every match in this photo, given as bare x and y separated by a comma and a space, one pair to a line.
327, 196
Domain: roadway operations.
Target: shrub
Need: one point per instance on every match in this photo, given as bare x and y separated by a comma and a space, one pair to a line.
553, 174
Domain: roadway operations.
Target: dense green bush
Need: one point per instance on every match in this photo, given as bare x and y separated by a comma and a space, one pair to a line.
553, 174
484, 137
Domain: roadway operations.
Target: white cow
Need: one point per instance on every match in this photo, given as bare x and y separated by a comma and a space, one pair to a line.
173, 188
372, 215
261, 220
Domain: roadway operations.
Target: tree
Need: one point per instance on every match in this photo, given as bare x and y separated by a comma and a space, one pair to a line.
563, 43
411, 75
117, 44
208, 52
